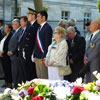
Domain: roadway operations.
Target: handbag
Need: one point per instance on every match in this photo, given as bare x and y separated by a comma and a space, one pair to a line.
65, 70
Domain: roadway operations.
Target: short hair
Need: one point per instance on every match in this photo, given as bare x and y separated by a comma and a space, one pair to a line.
62, 23
16, 20
61, 31
72, 22
43, 13
24, 18
71, 29
9, 26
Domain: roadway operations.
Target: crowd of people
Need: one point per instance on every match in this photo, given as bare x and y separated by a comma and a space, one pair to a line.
30, 49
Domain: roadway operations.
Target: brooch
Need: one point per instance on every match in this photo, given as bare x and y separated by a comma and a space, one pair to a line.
92, 45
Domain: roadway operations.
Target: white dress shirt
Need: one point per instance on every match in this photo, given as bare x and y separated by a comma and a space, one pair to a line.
95, 33
2, 43
42, 25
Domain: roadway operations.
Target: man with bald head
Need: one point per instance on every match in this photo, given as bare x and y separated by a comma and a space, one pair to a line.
92, 57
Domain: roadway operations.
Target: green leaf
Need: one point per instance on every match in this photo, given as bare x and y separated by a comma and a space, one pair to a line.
36, 91
7, 98
29, 97
39, 89
53, 97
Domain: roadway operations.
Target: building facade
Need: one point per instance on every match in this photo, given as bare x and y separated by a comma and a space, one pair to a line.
81, 10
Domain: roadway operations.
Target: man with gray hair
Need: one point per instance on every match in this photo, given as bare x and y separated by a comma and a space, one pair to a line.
76, 52
12, 51
72, 22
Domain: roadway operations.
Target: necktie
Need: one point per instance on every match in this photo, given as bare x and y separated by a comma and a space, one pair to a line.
22, 33
91, 37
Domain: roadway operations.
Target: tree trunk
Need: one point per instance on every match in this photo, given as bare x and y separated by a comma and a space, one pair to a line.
38, 5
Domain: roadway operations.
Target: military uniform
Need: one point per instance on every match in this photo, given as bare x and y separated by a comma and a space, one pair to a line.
27, 44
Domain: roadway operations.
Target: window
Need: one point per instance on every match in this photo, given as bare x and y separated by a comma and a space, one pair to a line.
87, 18
65, 15
13, 10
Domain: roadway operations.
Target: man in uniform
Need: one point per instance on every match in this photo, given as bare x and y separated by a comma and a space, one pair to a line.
29, 39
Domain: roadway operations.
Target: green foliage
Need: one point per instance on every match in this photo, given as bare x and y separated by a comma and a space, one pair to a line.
44, 91
7, 98
29, 97
45, 8
25, 85
74, 97
83, 97
98, 5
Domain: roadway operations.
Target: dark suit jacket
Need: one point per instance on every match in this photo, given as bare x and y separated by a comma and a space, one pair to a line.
0, 35
5, 47
46, 38
77, 49
13, 43
76, 53
29, 38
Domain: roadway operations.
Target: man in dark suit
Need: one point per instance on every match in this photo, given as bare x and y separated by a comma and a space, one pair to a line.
22, 61
12, 51
76, 52
28, 44
43, 40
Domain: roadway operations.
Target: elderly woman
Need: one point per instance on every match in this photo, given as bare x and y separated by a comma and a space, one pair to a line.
57, 53
5, 60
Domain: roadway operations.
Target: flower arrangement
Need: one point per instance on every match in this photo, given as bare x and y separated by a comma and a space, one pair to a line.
29, 91
39, 89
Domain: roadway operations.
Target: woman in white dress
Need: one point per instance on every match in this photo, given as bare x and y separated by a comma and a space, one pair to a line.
57, 53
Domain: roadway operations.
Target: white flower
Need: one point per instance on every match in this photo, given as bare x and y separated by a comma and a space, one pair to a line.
79, 81
7, 91
98, 82
15, 95
94, 73
98, 76
61, 92
91, 96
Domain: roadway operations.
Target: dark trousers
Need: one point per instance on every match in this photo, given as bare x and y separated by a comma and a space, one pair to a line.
67, 78
15, 70
22, 71
76, 68
27, 69
30, 68
6, 65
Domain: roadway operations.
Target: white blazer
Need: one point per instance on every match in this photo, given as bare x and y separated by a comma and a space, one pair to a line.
57, 52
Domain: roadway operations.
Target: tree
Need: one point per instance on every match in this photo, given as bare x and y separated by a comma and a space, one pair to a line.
38, 5
98, 5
